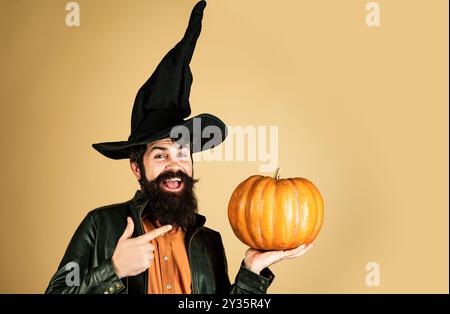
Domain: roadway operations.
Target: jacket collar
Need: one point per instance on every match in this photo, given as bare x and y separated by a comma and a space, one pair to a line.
138, 203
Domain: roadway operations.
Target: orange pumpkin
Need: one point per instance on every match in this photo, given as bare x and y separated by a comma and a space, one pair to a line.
275, 214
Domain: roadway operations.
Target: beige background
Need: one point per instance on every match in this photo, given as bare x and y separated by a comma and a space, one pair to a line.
362, 112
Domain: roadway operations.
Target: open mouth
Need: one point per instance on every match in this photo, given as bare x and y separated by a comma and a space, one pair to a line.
172, 184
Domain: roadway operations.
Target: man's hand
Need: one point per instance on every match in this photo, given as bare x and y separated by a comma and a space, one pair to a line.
132, 256
256, 260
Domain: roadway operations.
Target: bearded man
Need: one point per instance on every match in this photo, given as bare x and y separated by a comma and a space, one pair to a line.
157, 242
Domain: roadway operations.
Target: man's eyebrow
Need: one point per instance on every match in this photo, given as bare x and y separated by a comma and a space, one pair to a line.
158, 147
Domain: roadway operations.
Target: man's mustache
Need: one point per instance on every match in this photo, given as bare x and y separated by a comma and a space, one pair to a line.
169, 174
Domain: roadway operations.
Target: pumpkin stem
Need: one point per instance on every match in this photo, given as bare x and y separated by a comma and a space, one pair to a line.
276, 175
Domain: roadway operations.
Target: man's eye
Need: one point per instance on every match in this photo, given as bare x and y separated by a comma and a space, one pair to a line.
160, 156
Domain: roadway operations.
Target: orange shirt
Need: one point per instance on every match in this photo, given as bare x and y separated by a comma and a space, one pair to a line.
170, 272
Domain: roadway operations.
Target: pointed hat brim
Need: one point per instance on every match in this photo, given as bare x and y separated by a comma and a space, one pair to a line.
205, 131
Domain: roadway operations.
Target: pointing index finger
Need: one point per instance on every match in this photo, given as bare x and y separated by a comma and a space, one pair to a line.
154, 233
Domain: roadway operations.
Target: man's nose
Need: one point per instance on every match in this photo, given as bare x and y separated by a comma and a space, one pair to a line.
173, 165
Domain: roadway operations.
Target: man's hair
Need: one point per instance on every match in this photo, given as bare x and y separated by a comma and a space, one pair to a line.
137, 155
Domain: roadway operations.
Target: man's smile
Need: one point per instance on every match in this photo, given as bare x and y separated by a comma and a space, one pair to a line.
172, 185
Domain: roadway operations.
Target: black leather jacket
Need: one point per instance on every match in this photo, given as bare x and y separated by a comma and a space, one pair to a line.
94, 241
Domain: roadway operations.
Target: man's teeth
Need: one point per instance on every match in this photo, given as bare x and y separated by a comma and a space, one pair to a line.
175, 179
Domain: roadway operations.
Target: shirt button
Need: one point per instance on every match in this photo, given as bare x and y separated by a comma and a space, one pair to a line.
165, 258
169, 287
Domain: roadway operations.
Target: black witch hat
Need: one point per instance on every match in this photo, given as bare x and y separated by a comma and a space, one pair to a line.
162, 103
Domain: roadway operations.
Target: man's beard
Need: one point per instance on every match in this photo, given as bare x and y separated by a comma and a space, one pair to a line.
174, 208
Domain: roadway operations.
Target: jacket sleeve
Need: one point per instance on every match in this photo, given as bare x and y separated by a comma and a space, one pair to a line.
246, 281
77, 274
249, 282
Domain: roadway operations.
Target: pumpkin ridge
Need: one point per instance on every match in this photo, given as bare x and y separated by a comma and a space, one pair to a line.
280, 208
246, 233
294, 236
235, 211
305, 211
261, 212
232, 215
231, 210
313, 209
319, 210
250, 221
274, 216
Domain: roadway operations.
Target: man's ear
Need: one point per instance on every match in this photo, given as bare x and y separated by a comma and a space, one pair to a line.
135, 168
